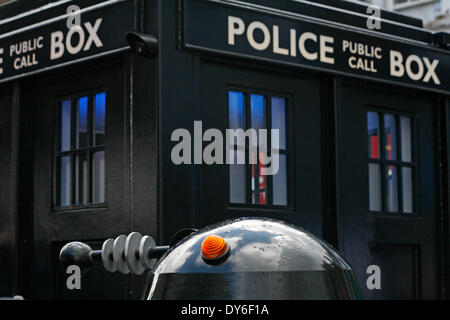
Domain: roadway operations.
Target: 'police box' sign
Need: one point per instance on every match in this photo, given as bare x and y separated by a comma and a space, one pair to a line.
245, 31
52, 43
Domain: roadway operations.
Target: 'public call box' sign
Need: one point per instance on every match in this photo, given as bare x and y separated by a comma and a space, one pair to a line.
53, 43
245, 31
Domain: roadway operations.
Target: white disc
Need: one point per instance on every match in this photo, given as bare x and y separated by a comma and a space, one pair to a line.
146, 244
132, 253
119, 254
107, 256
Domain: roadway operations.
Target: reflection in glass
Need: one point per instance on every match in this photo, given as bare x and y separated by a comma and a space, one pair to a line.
65, 126
279, 119
390, 137
81, 179
236, 118
63, 182
100, 118
82, 121
259, 182
238, 180
391, 189
405, 127
375, 202
98, 195
257, 112
373, 132
236, 110
407, 187
280, 197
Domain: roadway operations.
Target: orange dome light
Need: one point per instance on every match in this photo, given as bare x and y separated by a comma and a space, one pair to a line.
214, 248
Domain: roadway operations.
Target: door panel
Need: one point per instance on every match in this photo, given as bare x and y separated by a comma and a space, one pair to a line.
386, 186
65, 196
7, 194
295, 193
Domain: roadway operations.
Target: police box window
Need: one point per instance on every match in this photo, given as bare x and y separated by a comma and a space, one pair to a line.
80, 151
247, 182
392, 165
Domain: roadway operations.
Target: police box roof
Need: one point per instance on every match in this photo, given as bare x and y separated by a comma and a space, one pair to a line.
21, 13
33, 39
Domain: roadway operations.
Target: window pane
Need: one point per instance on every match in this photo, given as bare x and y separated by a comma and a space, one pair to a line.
98, 194
279, 119
405, 126
390, 137
82, 179
236, 118
375, 202
100, 118
407, 187
391, 189
82, 121
257, 115
63, 182
280, 196
238, 180
259, 181
65, 126
373, 131
236, 110
257, 112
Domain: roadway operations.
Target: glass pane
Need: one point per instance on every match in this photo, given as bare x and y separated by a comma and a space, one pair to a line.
259, 181
82, 179
257, 112
373, 132
259, 197
236, 116
407, 187
100, 118
238, 180
279, 119
375, 202
98, 192
405, 127
391, 189
257, 115
82, 121
63, 182
390, 137
236, 110
65, 126
280, 196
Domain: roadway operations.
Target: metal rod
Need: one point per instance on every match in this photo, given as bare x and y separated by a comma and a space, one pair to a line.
158, 251
154, 253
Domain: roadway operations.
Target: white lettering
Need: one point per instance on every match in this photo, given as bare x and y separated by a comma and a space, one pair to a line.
57, 46
307, 55
235, 27
251, 36
324, 49
397, 69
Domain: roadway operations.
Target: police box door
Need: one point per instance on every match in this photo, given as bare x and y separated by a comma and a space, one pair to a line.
386, 181
78, 163
253, 99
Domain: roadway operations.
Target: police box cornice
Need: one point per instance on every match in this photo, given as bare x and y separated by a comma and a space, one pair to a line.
39, 40
298, 34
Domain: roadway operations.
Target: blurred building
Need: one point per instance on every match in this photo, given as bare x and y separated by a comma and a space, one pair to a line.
434, 13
